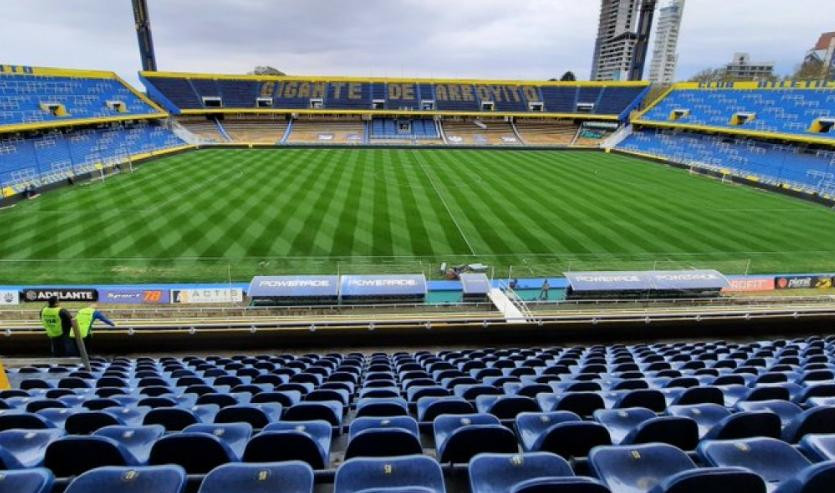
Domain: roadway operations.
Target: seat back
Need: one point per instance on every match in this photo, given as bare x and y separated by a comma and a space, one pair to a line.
156, 479
284, 477
137, 439
383, 442
286, 445
73, 455
401, 474
637, 468
26, 481
772, 459
197, 453
495, 473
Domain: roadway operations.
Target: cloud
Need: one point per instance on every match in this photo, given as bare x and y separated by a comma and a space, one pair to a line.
531, 39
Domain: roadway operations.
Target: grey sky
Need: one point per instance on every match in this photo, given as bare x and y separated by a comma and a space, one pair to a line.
526, 39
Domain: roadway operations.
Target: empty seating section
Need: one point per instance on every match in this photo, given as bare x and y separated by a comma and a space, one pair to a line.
785, 111
390, 129
546, 132
327, 132
776, 164
255, 130
479, 133
58, 155
204, 128
26, 98
518, 419
184, 92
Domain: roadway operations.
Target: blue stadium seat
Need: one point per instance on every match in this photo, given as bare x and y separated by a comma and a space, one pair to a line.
505, 406
330, 411
706, 416
85, 423
29, 421
156, 479
815, 420
171, 418
405, 423
663, 468
772, 459
383, 442
746, 425
499, 473
26, 481
409, 474
307, 441
137, 439
581, 403
818, 447
257, 415
21, 449
197, 453
235, 435
382, 407
817, 478
428, 408
620, 422
72, 455
278, 477
786, 410
530, 426
459, 437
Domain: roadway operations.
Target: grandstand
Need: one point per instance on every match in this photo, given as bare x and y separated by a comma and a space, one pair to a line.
599, 418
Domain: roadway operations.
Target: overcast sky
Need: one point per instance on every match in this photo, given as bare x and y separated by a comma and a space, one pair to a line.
525, 39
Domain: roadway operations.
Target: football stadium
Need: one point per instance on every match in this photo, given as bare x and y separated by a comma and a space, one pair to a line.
362, 283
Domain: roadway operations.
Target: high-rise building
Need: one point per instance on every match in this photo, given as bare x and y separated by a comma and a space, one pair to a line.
616, 39
662, 69
742, 68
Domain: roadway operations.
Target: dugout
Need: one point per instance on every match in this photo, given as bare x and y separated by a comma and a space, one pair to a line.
474, 287
396, 288
293, 290
645, 284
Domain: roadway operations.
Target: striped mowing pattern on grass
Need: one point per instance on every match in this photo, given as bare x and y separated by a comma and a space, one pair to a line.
214, 214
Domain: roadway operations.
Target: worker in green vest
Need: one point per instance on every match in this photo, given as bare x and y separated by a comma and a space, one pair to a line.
85, 318
58, 324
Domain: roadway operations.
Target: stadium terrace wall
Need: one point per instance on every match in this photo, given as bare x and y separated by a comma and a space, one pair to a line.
789, 111
187, 93
141, 108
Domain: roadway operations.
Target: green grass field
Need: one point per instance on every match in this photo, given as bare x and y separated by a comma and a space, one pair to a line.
215, 215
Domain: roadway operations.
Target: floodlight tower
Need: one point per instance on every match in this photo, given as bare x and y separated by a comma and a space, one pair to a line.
639, 55
143, 35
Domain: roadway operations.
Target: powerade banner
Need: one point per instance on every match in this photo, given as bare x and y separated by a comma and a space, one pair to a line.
383, 286
134, 296
660, 280
63, 294
294, 287
803, 282
609, 281
198, 296
9, 298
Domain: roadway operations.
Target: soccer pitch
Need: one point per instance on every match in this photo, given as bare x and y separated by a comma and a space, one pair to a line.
227, 214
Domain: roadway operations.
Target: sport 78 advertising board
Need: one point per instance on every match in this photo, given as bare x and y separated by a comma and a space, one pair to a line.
204, 296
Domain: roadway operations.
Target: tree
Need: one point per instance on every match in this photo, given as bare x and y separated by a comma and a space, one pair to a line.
266, 70
810, 69
568, 77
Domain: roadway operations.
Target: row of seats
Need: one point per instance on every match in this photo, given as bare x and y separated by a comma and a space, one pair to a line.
751, 466
778, 164
450, 405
